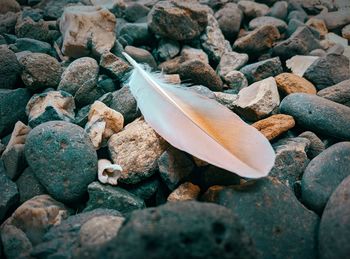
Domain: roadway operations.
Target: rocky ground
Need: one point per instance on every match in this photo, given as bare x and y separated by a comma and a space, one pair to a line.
68, 122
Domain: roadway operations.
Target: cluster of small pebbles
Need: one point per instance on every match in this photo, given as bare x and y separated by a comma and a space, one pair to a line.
82, 174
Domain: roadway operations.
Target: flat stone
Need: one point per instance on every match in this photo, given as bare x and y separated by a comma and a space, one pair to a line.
136, 149
81, 71
229, 18
275, 125
258, 100
9, 6
32, 45
268, 20
9, 195
252, 9
299, 64
261, 39
335, 222
153, 228
339, 93
10, 68
114, 66
185, 192
329, 70
49, 106
213, 40
12, 108
318, 114
273, 217
87, 29
263, 69
200, 73
174, 167
231, 61
110, 197
40, 71
324, 173
62, 158
335, 19
316, 146
141, 56
178, 20
188, 53
291, 160
289, 83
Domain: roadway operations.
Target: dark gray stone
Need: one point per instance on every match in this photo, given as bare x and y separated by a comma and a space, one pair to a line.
110, 197
279, 10
297, 15
180, 230
318, 114
328, 70
145, 189
63, 240
135, 11
335, 224
137, 32
167, 49
316, 146
53, 9
267, 20
32, 45
8, 22
278, 224
12, 108
263, 69
10, 69
62, 158
339, 93
14, 161
8, 195
324, 173
29, 186
27, 28
229, 18
213, 175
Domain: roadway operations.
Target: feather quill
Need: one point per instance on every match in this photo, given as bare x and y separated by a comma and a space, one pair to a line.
200, 126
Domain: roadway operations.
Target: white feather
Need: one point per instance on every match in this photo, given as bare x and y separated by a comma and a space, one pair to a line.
200, 126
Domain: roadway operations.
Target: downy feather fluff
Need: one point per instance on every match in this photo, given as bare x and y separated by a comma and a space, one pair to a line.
200, 126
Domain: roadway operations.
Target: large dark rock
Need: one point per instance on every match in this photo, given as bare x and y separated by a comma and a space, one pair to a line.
12, 108
62, 158
328, 70
324, 173
278, 224
339, 93
10, 69
8, 194
335, 224
318, 114
32, 45
180, 230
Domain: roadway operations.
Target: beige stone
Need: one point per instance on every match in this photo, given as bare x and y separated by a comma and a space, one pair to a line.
185, 192
85, 29
346, 32
289, 83
274, 125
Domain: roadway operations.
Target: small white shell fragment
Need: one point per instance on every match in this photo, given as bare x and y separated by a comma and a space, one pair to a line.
108, 172
299, 64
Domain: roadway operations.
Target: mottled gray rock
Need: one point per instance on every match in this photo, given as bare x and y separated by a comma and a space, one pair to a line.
27, 28
229, 18
335, 19
218, 234
10, 69
279, 10
138, 33
62, 158
32, 45
318, 114
324, 173
114, 66
231, 61
252, 9
316, 145
167, 49
235, 80
267, 20
9, 194
339, 93
135, 11
8, 22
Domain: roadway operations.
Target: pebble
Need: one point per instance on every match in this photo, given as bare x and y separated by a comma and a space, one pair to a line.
9, 6
231, 61
10, 68
267, 20
318, 25
141, 56
227, 99
324, 173
252, 9
316, 146
87, 30
8, 22
338, 93
9, 194
346, 32
135, 11
32, 45
146, 189
279, 10
40, 71
335, 222
178, 20
114, 66
273, 217
229, 18
235, 81
318, 114
275, 125
136, 149
167, 49
137, 32
50, 105
27, 28
62, 158
111, 197
263, 69
221, 233
185, 192
335, 19
258, 100
289, 83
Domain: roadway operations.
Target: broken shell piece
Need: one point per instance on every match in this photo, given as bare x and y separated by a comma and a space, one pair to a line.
103, 123
108, 172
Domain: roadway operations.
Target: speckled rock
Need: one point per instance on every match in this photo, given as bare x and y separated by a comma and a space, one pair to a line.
316, 145
10, 69
136, 149
153, 228
167, 49
28, 28
40, 71
318, 114
81, 71
267, 20
231, 61
110, 197
235, 80
339, 93
289, 83
275, 125
178, 20
62, 158
185, 192
229, 18
258, 100
115, 67
324, 173
9, 195
87, 30
335, 222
